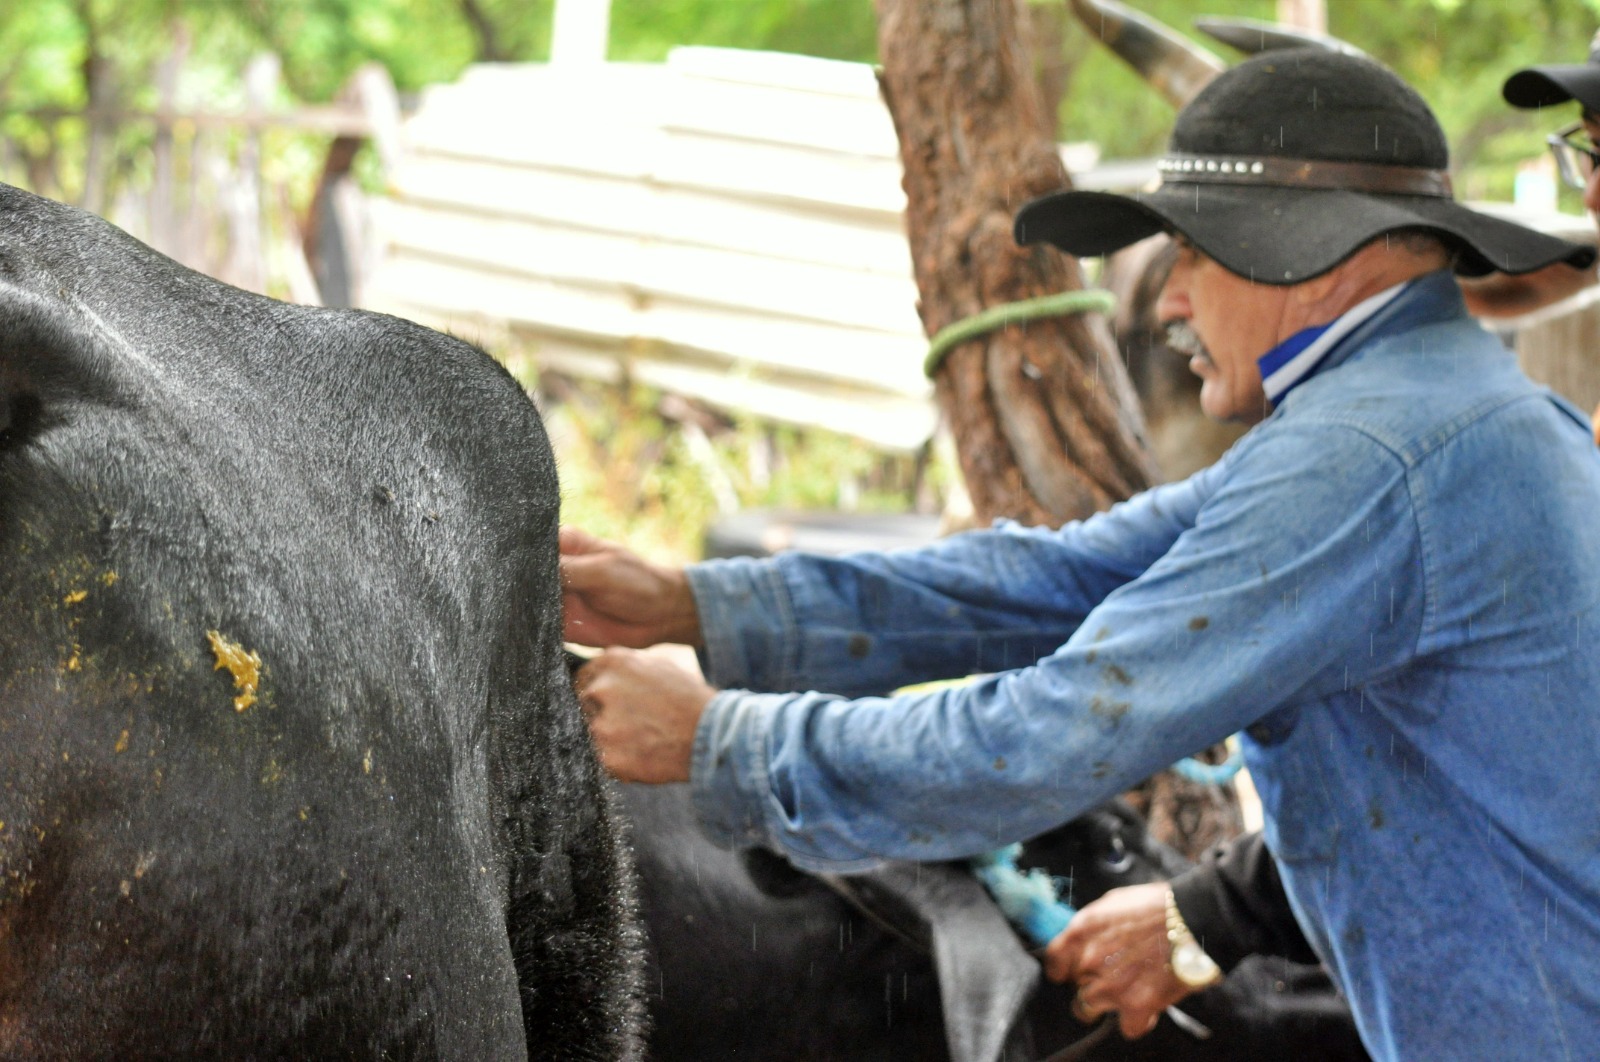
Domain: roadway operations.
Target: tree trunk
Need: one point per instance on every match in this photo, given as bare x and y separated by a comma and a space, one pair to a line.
1044, 418
483, 28
1045, 421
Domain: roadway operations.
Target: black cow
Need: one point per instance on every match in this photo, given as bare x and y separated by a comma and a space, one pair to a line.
751, 959
290, 765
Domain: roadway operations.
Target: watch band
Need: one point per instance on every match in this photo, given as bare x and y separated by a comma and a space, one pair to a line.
1185, 957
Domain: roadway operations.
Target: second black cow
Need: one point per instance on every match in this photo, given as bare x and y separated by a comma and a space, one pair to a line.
751, 959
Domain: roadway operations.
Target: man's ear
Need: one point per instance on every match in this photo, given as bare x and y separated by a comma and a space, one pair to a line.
1368, 271
1319, 288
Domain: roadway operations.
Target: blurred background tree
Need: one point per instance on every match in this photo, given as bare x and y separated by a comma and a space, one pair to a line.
78, 54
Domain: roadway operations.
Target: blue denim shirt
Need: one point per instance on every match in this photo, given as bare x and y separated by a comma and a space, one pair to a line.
1391, 585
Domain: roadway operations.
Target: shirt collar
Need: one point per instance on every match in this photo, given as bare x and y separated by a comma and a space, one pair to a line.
1302, 354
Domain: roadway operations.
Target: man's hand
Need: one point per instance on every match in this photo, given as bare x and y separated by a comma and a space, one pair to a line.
1116, 950
643, 709
610, 596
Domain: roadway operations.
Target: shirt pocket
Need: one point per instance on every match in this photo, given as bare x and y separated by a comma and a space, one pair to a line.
1288, 759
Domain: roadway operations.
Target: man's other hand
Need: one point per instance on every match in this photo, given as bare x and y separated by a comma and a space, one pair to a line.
610, 596
1116, 950
643, 709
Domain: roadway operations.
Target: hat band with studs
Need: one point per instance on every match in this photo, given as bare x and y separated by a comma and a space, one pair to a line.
1280, 172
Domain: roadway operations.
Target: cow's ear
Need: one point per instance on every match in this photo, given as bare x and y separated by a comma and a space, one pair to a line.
21, 406
52, 347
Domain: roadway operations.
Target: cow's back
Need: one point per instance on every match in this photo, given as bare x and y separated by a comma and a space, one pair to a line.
393, 845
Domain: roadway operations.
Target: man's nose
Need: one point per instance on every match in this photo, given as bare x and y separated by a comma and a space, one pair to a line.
1591, 191
1173, 305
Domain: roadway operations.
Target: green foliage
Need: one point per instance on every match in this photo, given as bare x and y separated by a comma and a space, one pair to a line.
1110, 105
41, 48
420, 42
645, 30
44, 44
628, 472
1458, 55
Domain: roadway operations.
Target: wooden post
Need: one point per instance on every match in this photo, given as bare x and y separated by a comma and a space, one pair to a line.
196, 218
334, 236
579, 31
164, 232
1308, 15
246, 263
100, 91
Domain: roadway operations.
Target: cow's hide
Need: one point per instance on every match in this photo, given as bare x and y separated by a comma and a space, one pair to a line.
388, 838
751, 959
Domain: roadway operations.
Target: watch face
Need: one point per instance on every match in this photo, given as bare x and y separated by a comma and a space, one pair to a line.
1192, 965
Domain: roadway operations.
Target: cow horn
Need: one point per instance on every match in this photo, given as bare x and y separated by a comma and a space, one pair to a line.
1176, 67
1252, 36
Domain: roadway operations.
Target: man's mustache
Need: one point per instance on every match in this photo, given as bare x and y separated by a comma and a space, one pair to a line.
1185, 340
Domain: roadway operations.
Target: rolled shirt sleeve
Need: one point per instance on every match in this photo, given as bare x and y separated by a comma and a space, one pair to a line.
1290, 570
983, 601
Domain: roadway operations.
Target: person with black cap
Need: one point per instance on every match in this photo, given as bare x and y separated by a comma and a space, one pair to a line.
1574, 146
1390, 584
1575, 152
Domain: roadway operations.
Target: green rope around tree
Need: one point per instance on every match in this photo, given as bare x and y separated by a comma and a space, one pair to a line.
1058, 305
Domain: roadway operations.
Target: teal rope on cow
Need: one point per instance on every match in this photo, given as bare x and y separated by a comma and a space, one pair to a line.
1062, 304
1218, 774
1031, 904
1028, 900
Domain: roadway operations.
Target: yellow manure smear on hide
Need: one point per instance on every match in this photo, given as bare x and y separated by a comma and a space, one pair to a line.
245, 667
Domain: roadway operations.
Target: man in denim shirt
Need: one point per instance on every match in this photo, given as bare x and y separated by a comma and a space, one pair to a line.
1233, 900
1391, 585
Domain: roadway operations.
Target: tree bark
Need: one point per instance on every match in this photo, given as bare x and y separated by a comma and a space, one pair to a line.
1044, 418
1046, 423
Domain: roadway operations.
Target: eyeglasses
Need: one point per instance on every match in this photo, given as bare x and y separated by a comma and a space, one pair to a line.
1576, 154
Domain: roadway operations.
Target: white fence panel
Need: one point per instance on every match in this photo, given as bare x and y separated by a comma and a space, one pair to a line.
726, 225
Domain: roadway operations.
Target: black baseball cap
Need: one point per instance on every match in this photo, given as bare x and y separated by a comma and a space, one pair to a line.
1545, 86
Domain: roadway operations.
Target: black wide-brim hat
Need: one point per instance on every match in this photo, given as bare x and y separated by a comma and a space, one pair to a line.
1286, 165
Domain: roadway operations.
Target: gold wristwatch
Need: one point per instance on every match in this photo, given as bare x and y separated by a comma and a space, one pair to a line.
1185, 958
